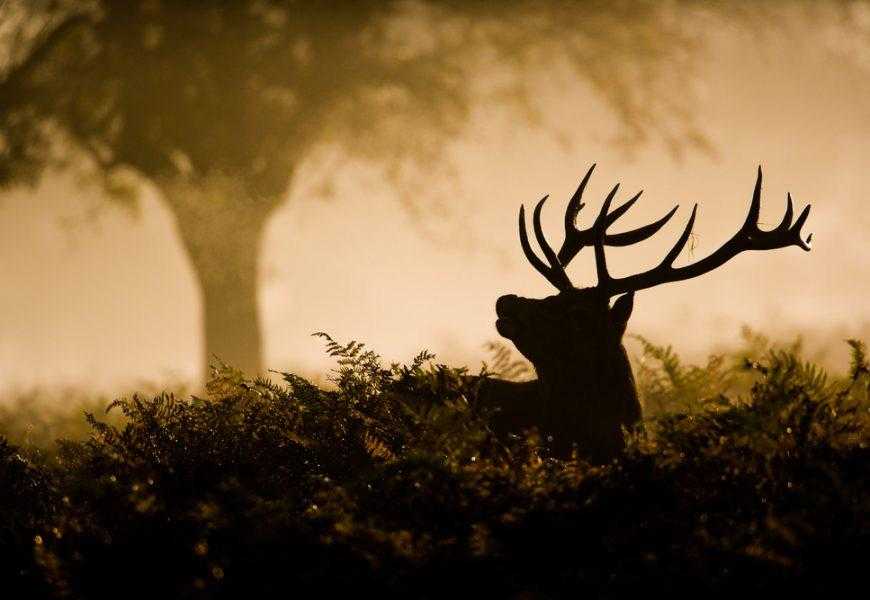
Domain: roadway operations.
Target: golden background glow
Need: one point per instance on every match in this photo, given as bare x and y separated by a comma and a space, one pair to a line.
109, 301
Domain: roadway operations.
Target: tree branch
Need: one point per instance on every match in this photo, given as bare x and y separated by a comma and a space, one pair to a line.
19, 72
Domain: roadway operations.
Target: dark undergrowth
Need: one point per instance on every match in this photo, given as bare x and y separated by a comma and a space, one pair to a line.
748, 477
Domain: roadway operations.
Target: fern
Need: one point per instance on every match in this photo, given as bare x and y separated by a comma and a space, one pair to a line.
390, 485
506, 365
666, 385
858, 367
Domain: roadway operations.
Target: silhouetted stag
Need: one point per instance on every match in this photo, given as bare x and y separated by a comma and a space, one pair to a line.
585, 392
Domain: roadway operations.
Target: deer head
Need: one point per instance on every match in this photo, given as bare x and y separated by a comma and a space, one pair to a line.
574, 338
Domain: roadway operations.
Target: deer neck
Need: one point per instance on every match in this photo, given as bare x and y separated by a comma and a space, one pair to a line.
589, 400
605, 375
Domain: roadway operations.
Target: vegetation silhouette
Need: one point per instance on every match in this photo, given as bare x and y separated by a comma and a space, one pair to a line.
219, 106
401, 481
393, 485
585, 393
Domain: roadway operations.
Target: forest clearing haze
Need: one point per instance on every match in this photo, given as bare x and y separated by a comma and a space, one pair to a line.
102, 296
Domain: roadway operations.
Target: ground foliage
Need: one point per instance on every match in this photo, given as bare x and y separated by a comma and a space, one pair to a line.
391, 485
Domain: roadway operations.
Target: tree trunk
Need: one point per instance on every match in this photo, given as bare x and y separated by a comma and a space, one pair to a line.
230, 314
222, 231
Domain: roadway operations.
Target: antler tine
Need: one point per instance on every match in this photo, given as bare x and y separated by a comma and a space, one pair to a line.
785, 224
555, 266
795, 231
748, 237
751, 222
574, 205
527, 248
576, 239
618, 212
674, 252
601, 262
557, 277
641, 233
599, 232
602, 218
784, 234
604, 279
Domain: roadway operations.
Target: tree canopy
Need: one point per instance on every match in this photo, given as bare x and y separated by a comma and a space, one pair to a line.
217, 104
244, 88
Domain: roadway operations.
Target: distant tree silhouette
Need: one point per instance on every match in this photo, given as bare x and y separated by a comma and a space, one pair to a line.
216, 104
585, 392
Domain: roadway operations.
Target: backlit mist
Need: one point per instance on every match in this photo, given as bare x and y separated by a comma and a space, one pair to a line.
103, 297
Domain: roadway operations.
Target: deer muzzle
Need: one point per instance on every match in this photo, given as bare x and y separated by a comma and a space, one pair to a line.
505, 309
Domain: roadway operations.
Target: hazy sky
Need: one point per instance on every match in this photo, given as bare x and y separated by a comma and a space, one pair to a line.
110, 301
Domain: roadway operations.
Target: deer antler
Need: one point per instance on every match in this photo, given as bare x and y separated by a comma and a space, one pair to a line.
748, 237
576, 239
554, 273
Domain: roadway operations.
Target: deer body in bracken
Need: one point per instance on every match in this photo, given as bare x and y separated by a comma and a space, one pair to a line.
585, 394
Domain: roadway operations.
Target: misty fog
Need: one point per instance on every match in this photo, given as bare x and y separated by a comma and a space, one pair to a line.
103, 297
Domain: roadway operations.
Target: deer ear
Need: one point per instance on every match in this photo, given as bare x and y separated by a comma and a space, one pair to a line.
621, 311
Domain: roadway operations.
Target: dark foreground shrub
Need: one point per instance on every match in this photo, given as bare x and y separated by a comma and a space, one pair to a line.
392, 486
26, 510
